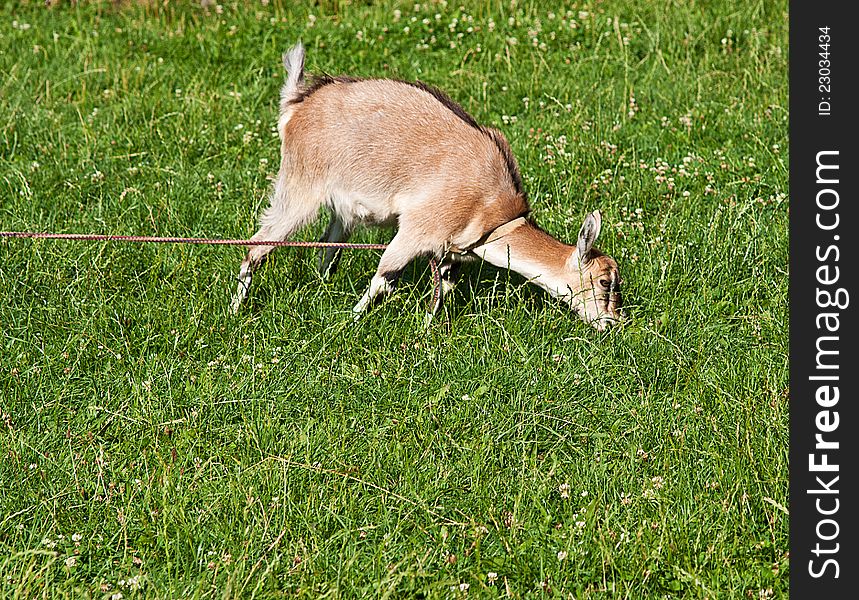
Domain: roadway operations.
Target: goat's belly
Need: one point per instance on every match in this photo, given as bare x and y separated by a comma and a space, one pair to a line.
360, 209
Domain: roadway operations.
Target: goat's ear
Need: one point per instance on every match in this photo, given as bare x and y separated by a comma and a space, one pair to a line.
588, 234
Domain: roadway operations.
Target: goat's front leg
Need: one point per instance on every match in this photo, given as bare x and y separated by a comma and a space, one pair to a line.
399, 253
448, 274
380, 284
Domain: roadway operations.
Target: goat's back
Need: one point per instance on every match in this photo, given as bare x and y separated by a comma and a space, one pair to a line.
401, 142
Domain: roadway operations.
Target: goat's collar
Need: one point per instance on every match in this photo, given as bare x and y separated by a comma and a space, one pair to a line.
492, 235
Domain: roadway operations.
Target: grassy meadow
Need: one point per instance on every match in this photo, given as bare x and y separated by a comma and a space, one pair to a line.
153, 446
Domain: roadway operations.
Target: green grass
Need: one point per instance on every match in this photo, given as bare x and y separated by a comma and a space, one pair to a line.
146, 434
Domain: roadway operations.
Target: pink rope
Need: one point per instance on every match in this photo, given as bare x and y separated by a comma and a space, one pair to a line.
436, 276
178, 240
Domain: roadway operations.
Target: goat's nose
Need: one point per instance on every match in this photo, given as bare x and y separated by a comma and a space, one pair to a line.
599, 324
604, 323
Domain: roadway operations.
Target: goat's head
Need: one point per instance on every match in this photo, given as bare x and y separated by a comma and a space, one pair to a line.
593, 279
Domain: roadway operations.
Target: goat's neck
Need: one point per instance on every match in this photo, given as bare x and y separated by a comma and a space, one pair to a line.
535, 255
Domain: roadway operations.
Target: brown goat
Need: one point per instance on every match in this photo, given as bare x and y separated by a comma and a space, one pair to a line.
386, 152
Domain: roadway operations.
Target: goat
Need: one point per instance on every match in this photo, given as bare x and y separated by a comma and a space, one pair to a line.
385, 152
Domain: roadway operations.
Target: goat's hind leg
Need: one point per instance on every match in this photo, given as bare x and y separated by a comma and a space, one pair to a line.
329, 258
253, 259
278, 222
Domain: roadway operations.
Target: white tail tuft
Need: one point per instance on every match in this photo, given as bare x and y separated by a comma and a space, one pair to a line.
293, 62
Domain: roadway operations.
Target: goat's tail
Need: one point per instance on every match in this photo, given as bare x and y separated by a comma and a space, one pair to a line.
293, 62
